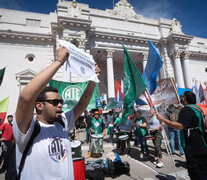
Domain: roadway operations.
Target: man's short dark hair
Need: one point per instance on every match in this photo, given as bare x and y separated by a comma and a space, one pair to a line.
44, 91
9, 116
190, 97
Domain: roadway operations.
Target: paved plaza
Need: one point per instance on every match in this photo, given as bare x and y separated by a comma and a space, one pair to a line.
141, 168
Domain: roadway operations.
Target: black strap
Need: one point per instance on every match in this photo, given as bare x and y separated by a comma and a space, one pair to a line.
200, 110
60, 121
29, 144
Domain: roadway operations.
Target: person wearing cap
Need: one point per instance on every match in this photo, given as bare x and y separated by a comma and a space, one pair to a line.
96, 128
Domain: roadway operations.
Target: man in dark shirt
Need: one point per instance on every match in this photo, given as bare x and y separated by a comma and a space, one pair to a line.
192, 137
87, 121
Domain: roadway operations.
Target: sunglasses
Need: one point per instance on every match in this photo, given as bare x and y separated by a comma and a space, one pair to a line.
54, 102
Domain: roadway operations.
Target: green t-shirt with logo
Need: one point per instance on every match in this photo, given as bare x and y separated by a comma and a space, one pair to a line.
96, 125
118, 121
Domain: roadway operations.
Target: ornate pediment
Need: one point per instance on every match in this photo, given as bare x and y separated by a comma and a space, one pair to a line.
125, 10
25, 76
74, 10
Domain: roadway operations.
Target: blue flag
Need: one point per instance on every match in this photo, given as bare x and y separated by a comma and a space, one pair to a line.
154, 63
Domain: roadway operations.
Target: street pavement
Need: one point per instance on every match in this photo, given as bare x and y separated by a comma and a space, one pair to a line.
140, 169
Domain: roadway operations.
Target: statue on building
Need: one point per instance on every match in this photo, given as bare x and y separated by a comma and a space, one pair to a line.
73, 9
176, 26
124, 9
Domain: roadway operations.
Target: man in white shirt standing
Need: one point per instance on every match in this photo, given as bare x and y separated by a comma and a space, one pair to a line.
50, 155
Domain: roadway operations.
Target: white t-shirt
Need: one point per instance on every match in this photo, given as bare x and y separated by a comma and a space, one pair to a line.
50, 155
153, 122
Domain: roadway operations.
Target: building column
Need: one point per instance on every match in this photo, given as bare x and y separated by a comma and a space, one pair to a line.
144, 60
110, 73
178, 69
186, 68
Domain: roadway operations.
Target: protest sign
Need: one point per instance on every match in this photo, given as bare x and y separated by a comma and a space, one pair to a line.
79, 62
165, 93
145, 109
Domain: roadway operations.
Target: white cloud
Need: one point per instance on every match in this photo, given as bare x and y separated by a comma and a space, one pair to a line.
11, 4
156, 9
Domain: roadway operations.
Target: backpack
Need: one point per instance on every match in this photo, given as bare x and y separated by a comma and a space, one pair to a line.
204, 118
10, 159
172, 112
202, 121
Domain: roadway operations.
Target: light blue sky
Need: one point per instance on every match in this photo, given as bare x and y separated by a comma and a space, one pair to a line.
191, 13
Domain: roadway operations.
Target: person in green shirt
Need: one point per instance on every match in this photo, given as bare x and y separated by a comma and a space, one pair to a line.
96, 128
141, 124
117, 123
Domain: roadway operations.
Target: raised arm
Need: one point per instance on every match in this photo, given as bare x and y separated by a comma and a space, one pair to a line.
86, 97
26, 101
172, 124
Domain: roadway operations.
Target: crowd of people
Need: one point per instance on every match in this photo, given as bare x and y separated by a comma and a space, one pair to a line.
183, 122
136, 128
52, 146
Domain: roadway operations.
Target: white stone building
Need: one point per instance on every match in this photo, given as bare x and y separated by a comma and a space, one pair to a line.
28, 43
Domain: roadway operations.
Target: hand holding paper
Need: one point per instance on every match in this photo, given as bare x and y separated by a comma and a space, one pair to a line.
62, 54
79, 63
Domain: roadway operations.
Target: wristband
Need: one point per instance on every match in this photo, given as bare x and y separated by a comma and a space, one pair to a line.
59, 60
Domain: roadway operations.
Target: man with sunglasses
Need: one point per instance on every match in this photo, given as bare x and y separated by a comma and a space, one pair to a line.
50, 154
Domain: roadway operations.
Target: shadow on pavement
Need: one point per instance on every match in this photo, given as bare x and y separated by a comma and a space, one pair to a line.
179, 163
165, 177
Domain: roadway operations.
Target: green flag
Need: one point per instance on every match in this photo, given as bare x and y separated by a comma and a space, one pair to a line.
3, 109
134, 85
2, 75
111, 105
71, 93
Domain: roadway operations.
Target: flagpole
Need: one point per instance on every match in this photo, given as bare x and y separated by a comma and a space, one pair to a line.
173, 83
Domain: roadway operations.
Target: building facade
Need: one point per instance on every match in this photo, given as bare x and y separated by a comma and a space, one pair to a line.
28, 43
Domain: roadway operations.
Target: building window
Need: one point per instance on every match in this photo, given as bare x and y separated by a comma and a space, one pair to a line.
30, 57
33, 22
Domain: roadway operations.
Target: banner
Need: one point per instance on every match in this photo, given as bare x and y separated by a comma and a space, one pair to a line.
165, 93
182, 90
3, 109
145, 110
205, 96
71, 93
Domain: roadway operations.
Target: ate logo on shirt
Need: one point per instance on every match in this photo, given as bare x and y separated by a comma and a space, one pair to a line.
96, 124
57, 151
